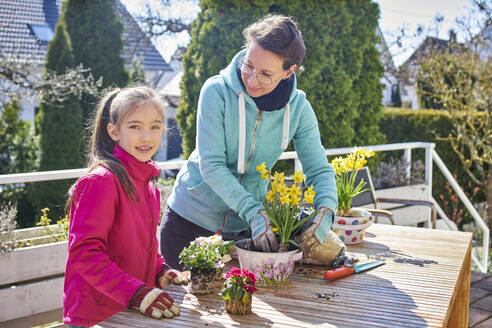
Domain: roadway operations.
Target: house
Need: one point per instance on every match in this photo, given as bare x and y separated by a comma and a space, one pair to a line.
482, 43
171, 93
409, 68
28, 25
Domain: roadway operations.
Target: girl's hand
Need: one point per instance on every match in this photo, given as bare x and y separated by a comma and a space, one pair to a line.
154, 302
172, 276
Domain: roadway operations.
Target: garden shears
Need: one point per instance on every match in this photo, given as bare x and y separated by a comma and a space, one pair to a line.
348, 269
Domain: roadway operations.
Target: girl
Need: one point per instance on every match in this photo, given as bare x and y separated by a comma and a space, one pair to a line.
113, 260
247, 115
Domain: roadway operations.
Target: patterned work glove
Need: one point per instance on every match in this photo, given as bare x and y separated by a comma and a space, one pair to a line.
318, 243
262, 234
154, 302
171, 276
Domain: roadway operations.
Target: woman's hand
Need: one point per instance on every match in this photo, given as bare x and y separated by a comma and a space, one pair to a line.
262, 234
318, 243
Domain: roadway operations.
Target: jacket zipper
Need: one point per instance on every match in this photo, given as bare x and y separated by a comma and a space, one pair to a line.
257, 123
150, 236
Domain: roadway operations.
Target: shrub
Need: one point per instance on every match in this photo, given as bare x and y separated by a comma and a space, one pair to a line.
7, 226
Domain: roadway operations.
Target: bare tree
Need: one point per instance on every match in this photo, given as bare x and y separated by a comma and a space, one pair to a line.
157, 21
20, 78
459, 79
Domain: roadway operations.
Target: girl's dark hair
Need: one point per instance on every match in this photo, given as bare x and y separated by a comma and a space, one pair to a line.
280, 35
115, 105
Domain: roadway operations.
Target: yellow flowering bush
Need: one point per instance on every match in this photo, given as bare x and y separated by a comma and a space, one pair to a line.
60, 234
283, 204
346, 170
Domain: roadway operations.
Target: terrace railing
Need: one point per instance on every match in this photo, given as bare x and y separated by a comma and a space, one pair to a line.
431, 157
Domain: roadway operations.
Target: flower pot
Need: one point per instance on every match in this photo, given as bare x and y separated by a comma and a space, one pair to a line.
271, 269
350, 229
202, 282
234, 306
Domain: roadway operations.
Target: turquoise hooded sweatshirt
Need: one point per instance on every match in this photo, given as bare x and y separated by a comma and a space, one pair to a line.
219, 188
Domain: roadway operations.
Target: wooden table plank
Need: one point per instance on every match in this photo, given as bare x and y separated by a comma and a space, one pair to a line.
424, 283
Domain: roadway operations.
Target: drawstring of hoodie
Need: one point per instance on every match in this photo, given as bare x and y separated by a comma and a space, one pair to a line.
242, 132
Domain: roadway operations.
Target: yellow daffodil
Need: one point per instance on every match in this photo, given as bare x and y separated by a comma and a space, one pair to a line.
294, 190
346, 188
285, 199
298, 176
282, 189
270, 195
294, 199
278, 178
265, 174
261, 167
274, 229
309, 195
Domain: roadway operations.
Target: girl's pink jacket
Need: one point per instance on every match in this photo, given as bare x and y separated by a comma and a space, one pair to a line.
112, 245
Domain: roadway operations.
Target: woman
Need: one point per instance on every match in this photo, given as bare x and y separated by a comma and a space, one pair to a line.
247, 115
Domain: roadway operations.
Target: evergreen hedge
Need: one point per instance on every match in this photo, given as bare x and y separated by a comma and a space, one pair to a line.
18, 149
342, 67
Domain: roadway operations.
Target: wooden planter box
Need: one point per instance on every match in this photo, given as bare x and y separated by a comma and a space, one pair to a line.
31, 279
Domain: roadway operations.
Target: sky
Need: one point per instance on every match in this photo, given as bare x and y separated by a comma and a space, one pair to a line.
394, 14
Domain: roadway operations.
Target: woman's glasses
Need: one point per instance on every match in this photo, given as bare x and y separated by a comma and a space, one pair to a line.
263, 78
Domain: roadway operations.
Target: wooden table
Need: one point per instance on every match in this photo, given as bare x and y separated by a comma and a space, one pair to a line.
424, 283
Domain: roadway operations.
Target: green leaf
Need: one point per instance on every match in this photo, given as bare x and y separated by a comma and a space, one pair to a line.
236, 292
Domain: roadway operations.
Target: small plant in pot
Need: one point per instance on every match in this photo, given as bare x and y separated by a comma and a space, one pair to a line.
283, 206
238, 289
350, 223
205, 257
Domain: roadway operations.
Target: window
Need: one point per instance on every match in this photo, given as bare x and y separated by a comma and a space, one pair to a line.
42, 32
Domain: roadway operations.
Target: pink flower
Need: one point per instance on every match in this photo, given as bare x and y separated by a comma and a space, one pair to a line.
251, 277
235, 272
250, 289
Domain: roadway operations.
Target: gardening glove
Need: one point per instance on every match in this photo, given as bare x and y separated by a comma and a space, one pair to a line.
170, 276
262, 234
318, 243
154, 302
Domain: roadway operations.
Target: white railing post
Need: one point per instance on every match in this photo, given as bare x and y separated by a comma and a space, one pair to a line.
297, 164
478, 219
407, 159
428, 177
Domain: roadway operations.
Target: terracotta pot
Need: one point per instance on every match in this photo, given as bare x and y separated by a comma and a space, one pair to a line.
202, 282
351, 229
234, 306
271, 269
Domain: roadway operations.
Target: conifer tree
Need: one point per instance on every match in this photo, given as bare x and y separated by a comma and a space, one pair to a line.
342, 67
95, 33
60, 131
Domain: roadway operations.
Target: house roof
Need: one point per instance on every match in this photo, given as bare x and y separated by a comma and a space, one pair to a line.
428, 45
27, 25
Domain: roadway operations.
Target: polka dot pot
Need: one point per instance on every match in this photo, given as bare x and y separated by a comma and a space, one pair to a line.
350, 229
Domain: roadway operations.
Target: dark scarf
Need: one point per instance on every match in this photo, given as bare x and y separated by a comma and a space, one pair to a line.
275, 100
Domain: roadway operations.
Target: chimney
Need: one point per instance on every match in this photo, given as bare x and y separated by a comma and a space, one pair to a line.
452, 36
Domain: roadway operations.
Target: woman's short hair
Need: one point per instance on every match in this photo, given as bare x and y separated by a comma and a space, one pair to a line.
280, 35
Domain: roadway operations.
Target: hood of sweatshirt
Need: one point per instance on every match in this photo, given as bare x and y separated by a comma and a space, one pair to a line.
230, 76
